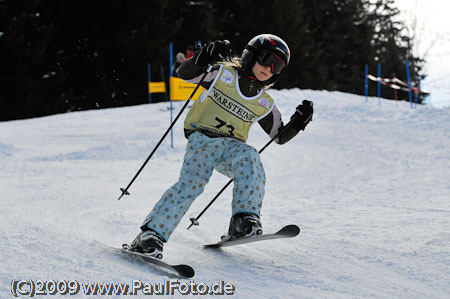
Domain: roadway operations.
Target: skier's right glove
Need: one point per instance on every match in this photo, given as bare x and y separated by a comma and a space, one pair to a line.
212, 52
302, 116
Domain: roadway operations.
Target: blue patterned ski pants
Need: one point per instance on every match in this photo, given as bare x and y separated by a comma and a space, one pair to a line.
230, 157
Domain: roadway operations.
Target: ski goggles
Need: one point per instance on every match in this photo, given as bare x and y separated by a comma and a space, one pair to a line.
266, 58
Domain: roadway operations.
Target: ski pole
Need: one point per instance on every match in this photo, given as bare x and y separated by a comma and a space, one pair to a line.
194, 221
125, 190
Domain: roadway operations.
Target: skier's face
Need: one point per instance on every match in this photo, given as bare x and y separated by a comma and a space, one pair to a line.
262, 73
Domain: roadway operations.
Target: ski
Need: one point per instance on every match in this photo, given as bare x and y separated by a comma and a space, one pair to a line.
184, 271
288, 231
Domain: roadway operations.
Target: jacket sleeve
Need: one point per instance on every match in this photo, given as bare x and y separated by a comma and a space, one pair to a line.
272, 124
192, 73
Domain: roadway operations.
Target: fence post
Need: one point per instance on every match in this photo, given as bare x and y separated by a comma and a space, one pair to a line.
395, 90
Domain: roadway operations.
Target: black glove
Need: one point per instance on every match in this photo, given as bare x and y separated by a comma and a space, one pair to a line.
213, 52
303, 115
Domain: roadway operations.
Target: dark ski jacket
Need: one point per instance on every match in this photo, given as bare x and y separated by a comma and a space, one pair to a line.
271, 124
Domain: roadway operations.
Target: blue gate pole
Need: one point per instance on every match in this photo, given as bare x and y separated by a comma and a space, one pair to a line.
170, 99
149, 80
409, 82
379, 84
367, 82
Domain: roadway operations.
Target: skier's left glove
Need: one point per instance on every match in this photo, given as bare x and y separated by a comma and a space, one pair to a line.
212, 52
302, 116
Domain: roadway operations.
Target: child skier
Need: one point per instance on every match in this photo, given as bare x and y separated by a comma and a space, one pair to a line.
217, 127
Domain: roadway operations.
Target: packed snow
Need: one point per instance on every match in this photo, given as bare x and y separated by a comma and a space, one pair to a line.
368, 184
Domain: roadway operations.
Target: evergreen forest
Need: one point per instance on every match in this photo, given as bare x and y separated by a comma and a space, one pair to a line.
62, 56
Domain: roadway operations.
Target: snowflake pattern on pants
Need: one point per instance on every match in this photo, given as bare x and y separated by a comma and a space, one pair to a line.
230, 157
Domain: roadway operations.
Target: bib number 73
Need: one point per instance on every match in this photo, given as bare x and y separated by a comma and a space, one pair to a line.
223, 123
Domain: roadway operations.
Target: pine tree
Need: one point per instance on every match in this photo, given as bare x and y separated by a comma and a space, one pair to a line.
60, 56
392, 46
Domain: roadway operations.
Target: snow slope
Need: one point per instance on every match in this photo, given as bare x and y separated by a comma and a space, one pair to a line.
369, 186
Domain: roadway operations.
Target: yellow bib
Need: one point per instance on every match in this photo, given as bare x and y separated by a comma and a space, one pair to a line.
224, 110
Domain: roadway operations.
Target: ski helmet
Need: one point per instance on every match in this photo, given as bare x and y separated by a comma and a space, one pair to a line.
267, 49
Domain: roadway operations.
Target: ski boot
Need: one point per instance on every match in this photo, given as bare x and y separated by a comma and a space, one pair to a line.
243, 225
147, 242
